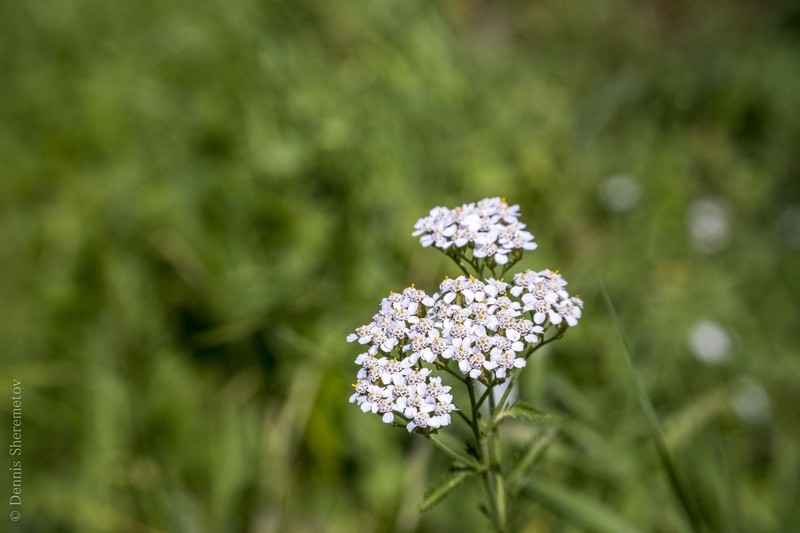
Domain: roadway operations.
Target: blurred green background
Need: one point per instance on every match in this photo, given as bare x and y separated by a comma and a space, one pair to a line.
200, 200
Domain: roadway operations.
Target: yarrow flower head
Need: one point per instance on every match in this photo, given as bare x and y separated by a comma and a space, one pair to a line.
475, 328
488, 230
402, 387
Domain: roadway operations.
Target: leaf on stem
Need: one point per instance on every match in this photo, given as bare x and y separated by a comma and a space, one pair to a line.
522, 410
453, 453
534, 451
445, 486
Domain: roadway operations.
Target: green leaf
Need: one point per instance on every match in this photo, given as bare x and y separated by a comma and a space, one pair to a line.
440, 490
520, 409
681, 426
576, 508
451, 451
535, 450
693, 515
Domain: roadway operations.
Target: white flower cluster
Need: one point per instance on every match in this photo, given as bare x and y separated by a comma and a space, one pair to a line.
388, 386
544, 296
489, 227
486, 329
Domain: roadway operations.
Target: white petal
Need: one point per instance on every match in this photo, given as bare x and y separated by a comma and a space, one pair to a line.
388, 418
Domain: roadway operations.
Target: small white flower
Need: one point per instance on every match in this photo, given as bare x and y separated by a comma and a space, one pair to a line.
709, 224
620, 193
570, 310
475, 365
710, 342
506, 361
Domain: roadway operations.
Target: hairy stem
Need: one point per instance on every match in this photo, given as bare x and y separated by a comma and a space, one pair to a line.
489, 455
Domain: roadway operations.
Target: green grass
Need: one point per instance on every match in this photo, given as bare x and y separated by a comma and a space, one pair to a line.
200, 200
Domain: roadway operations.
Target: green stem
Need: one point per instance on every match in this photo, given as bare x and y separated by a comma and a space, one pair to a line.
493, 477
543, 342
485, 394
502, 403
467, 420
450, 371
458, 262
474, 422
482, 444
508, 266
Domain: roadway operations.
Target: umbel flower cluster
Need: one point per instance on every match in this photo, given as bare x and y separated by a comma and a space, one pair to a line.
488, 230
476, 330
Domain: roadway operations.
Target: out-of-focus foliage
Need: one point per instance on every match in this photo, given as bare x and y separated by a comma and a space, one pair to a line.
199, 200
